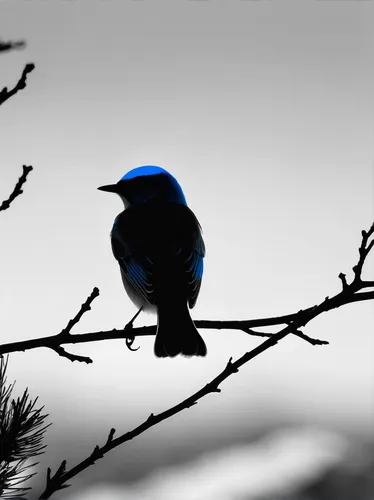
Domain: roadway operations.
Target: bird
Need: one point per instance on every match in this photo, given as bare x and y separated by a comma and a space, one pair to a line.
157, 241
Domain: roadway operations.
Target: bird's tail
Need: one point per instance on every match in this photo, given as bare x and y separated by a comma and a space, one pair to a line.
176, 333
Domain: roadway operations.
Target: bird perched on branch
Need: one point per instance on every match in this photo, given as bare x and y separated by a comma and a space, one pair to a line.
158, 244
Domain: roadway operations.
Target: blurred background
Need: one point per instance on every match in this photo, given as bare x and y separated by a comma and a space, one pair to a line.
264, 113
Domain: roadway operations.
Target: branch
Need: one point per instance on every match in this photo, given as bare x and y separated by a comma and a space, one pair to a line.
363, 253
348, 295
17, 189
54, 341
5, 94
21, 432
59, 480
64, 336
6, 46
73, 357
85, 307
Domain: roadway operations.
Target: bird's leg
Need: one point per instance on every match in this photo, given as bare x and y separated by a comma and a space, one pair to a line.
130, 339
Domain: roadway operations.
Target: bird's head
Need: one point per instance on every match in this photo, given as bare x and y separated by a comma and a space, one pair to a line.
147, 183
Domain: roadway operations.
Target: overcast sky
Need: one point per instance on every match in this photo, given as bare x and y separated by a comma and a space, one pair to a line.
263, 111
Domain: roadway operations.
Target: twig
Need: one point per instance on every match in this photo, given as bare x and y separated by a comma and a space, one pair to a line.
6, 46
85, 307
55, 341
308, 339
64, 336
296, 332
363, 252
343, 279
302, 318
17, 189
73, 357
5, 94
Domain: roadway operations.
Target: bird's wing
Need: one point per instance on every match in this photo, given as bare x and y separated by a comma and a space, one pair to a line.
144, 241
135, 267
192, 252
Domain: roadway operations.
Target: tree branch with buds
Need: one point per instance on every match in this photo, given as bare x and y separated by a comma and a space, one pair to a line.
6, 94
17, 189
347, 295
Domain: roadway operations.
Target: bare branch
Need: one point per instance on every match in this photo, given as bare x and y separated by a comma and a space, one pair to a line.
298, 333
350, 294
300, 319
73, 357
65, 334
85, 307
311, 340
81, 338
5, 94
363, 252
343, 279
17, 189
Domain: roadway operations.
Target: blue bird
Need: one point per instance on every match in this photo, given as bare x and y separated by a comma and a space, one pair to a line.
158, 244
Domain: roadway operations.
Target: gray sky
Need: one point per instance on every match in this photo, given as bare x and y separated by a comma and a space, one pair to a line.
264, 113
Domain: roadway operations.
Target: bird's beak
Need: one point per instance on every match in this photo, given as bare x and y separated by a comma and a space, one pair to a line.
110, 188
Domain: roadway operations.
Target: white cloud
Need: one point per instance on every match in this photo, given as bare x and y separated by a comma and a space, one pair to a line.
281, 462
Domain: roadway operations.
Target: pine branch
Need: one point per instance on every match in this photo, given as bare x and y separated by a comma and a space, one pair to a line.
21, 435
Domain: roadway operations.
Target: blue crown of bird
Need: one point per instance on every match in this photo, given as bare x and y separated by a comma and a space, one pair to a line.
158, 244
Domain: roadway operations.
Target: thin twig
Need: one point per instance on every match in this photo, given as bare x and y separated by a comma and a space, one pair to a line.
363, 252
308, 339
65, 334
17, 188
297, 333
85, 307
72, 357
6, 46
6, 94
